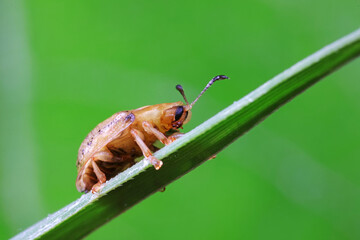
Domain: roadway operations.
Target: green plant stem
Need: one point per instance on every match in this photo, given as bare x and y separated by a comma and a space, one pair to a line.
135, 184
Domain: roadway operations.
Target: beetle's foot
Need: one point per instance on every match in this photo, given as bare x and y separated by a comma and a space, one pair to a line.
155, 162
96, 188
170, 140
174, 136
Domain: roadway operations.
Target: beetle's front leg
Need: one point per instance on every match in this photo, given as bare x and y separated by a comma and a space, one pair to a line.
159, 135
175, 135
145, 150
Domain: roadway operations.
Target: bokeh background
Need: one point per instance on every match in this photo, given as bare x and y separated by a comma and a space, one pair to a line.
67, 65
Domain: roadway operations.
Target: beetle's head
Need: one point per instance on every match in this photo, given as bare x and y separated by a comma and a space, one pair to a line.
178, 115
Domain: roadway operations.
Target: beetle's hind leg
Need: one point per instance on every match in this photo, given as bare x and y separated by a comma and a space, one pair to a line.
100, 176
104, 156
145, 150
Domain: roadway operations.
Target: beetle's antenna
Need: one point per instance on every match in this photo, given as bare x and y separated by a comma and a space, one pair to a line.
219, 77
181, 90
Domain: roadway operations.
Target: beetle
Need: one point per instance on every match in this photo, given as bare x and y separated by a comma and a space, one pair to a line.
114, 144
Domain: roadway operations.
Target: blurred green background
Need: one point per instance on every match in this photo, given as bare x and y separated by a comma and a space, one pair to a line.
67, 65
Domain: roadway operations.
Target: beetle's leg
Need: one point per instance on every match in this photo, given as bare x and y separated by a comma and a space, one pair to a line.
107, 156
145, 150
104, 156
159, 135
100, 176
175, 135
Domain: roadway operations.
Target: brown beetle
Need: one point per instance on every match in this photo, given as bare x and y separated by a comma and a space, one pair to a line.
115, 143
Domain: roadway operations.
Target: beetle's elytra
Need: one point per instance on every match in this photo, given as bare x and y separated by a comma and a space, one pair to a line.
114, 144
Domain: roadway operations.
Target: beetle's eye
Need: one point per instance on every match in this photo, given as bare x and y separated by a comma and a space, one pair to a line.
179, 112
187, 117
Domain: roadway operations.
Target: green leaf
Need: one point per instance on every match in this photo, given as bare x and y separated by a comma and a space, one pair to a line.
138, 182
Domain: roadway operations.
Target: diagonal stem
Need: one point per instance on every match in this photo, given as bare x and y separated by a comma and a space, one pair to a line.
138, 182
